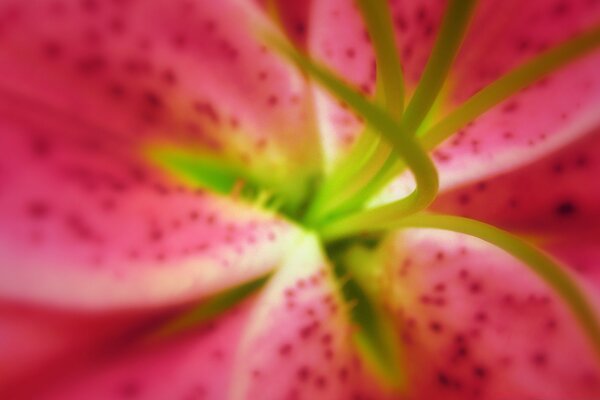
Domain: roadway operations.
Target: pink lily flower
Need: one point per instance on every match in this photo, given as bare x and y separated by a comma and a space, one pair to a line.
234, 199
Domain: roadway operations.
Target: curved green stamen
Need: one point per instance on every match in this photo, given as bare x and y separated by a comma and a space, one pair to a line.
411, 152
390, 80
453, 29
357, 167
450, 37
510, 84
550, 271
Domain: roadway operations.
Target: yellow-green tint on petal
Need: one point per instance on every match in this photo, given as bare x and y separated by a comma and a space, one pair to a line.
194, 168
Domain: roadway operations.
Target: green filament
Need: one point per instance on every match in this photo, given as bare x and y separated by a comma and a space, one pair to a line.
417, 160
453, 29
378, 19
348, 177
510, 84
493, 94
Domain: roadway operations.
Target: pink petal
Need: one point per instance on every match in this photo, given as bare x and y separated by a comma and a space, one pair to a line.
551, 196
195, 366
83, 226
290, 341
83, 86
538, 120
39, 345
174, 69
478, 324
557, 110
298, 341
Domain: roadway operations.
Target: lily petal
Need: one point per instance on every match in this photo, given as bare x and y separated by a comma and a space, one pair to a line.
478, 324
298, 343
535, 121
292, 340
553, 195
83, 87
522, 128
195, 366
41, 344
161, 68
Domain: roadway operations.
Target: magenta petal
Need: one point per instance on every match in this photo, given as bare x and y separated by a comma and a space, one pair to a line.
558, 109
478, 324
40, 345
181, 70
297, 344
555, 195
195, 366
84, 223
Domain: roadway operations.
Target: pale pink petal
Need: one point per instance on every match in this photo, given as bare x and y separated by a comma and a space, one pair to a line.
297, 344
84, 227
84, 223
292, 340
558, 109
196, 365
555, 194
337, 37
479, 325
532, 123
185, 70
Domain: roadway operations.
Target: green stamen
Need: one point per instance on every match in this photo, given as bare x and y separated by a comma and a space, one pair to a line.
378, 19
450, 37
510, 84
357, 168
541, 264
417, 160
453, 29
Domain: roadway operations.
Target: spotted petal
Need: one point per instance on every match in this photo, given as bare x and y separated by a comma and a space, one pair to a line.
84, 86
528, 125
290, 340
478, 324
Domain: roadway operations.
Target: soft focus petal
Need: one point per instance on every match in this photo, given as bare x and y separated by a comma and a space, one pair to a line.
292, 341
182, 70
337, 36
83, 85
32, 340
194, 366
559, 109
84, 225
555, 194
555, 201
477, 324
298, 344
